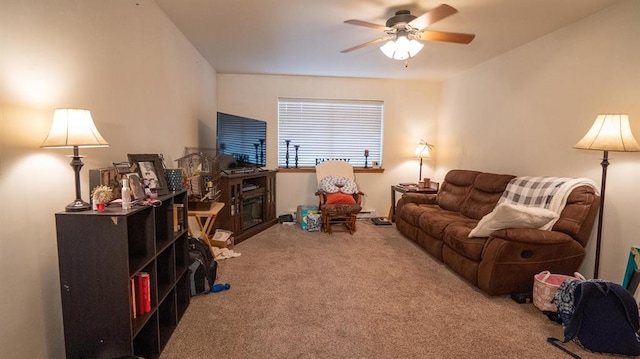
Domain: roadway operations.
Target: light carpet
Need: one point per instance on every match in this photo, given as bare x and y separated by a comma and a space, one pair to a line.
374, 294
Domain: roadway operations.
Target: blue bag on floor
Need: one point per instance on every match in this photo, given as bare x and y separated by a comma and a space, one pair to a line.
599, 315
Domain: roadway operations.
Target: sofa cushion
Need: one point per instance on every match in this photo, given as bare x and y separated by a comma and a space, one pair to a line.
434, 223
507, 215
411, 212
456, 237
487, 190
455, 189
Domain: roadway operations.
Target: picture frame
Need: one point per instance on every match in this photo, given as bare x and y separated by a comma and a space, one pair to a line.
151, 171
107, 176
122, 168
137, 191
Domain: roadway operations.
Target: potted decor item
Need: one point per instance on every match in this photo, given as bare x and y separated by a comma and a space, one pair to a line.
101, 196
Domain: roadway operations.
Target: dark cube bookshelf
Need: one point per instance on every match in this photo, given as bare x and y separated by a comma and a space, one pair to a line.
99, 253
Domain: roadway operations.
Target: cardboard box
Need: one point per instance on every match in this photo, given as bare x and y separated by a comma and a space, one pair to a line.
301, 215
222, 239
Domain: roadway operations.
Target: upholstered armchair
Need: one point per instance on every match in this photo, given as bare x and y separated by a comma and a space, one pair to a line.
339, 198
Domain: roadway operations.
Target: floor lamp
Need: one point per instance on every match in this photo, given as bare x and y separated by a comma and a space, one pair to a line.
423, 151
74, 128
610, 132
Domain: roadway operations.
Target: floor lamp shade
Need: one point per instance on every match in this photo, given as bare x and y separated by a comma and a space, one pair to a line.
609, 132
74, 128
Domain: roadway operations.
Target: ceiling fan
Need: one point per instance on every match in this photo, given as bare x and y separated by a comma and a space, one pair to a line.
403, 30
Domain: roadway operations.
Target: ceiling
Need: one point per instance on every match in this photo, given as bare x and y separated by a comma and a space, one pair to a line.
305, 37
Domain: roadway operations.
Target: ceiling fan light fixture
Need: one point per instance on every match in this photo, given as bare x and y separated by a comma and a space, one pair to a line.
401, 48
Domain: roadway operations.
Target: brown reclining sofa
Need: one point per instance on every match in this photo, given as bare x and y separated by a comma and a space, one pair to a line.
505, 261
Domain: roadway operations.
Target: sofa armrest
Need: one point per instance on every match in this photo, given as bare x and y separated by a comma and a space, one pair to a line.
511, 257
531, 236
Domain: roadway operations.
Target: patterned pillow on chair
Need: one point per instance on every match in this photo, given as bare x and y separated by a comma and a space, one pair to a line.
333, 184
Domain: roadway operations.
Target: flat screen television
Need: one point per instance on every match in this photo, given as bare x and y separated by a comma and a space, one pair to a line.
242, 138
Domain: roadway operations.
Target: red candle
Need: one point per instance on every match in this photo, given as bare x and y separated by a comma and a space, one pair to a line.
366, 153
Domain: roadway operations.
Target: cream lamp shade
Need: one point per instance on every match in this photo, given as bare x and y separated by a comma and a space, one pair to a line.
609, 132
73, 127
423, 150
401, 48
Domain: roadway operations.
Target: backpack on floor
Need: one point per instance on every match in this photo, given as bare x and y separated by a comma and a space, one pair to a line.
202, 267
598, 315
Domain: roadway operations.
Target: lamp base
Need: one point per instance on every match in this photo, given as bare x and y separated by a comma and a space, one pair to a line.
78, 206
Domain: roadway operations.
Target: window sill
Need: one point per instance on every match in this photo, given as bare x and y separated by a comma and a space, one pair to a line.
313, 169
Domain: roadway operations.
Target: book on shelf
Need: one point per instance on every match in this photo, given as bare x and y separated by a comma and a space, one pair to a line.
178, 217
143, 294
147, 292
139, 294
132, 285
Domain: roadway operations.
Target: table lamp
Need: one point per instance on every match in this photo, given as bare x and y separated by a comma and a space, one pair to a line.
609, 132
422, 151
74, 128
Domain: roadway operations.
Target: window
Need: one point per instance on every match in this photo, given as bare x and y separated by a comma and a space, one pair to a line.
329, 129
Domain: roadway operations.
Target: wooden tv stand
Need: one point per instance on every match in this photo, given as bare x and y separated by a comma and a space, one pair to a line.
250, 202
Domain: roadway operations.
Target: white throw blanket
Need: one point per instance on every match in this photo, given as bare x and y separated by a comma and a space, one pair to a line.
544, 192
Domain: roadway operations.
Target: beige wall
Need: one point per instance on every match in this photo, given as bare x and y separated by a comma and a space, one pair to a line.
410, 112
149, 91
522, 112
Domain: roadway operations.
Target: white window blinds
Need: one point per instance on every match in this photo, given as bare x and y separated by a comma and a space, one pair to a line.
329, 129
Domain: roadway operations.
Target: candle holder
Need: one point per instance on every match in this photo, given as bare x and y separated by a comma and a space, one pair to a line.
262, 162
257, 154
297, 147
286, 156
366, 157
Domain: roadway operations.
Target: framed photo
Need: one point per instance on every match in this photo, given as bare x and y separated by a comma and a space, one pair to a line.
149, 168
107, 176
136, 186
122, 167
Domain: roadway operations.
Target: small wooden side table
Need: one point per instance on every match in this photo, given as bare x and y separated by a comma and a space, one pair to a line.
405, 189
203, 231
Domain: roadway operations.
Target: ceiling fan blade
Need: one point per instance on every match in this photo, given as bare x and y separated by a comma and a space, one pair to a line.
372, 42
432, 16
457, 37
366, 24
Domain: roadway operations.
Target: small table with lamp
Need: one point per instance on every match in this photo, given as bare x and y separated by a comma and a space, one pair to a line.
406, 188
